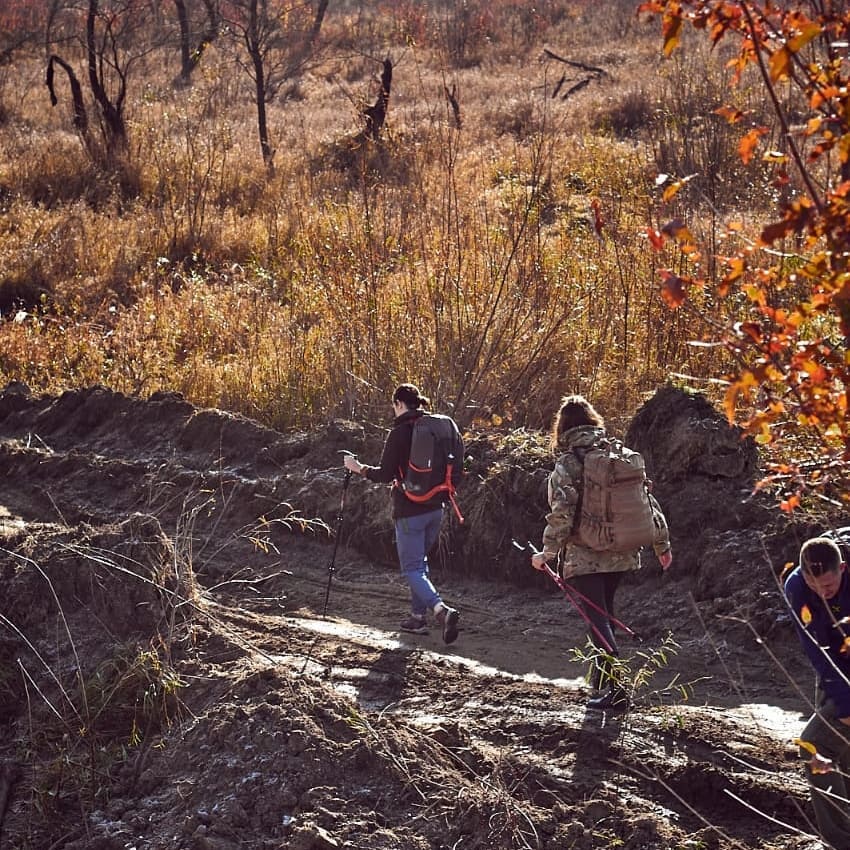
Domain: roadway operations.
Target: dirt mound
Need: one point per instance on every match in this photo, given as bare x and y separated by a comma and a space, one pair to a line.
167, 681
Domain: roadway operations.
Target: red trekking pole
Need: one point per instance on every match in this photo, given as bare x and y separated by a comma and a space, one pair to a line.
573, 595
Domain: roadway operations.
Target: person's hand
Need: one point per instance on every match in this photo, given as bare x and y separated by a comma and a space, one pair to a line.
352, 464
819, 764
539, 561
666, 559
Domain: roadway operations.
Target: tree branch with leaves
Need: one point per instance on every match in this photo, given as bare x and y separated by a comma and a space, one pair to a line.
790, 281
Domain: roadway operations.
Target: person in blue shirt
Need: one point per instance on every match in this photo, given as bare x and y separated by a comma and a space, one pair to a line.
818, 591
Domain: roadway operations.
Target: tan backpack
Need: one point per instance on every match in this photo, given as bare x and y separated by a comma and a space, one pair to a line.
615, 512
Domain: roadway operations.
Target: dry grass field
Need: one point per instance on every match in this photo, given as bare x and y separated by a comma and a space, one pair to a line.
489, 243
281, 210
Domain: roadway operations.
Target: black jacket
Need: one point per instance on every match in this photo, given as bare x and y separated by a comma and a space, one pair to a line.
394, 459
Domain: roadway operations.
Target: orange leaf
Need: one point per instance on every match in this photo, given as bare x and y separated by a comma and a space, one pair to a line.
656, 238
747, 145
678, 230
671, 191
813, 125
598, 220
810, 748
671, 30
737, 266
779, 63
751, 329
788, 505
777, 230
744, 386
674, 289
817, 374
732, 115
730, 401
809, 31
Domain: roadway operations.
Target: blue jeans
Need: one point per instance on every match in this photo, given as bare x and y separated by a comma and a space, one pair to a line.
414, 537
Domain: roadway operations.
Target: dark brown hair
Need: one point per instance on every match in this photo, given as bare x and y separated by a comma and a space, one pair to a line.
820, 555
575, 410
410, 395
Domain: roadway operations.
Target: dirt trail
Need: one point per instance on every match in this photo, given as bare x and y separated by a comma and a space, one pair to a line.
161, 556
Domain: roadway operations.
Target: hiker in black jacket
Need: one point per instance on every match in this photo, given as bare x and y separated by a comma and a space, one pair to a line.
417, 525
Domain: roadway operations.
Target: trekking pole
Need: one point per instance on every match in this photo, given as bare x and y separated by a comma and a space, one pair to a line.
573, 595
332, 565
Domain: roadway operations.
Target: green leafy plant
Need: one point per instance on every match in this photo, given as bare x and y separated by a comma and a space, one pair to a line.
637, 672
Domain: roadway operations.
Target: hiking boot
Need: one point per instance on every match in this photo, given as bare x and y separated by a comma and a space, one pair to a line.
448, 618
415, 625
614, 698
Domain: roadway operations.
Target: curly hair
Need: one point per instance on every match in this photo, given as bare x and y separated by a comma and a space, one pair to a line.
575, 410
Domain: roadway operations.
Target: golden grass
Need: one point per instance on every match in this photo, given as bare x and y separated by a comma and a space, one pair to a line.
465, 260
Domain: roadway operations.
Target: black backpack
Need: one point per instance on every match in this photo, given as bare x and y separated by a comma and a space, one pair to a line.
842, 537
436, 460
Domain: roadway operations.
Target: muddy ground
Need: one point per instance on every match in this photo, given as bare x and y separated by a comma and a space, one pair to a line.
181, 667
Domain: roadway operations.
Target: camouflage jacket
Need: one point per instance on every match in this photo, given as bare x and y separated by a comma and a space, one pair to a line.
565, 485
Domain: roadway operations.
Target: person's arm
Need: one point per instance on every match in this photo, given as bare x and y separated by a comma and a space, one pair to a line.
393, 458
815, 629
661, 543
563, 501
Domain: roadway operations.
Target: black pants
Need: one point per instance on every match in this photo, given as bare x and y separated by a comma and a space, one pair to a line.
599, 589
831, 738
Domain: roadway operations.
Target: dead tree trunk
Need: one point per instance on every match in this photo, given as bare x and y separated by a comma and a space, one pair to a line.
115, 130
376, 113
81, 121
190, 58
254, 45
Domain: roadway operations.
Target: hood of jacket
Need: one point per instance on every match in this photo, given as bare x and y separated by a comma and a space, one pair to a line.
582, 436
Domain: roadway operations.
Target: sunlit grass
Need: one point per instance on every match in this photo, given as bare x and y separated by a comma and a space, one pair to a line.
464, 259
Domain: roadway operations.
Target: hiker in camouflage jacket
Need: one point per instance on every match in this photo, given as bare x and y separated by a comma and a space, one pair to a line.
595, 576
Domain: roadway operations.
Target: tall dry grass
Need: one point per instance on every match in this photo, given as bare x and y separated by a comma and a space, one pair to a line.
464, 259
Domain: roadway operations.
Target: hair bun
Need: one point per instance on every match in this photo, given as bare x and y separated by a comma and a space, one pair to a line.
409, 395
